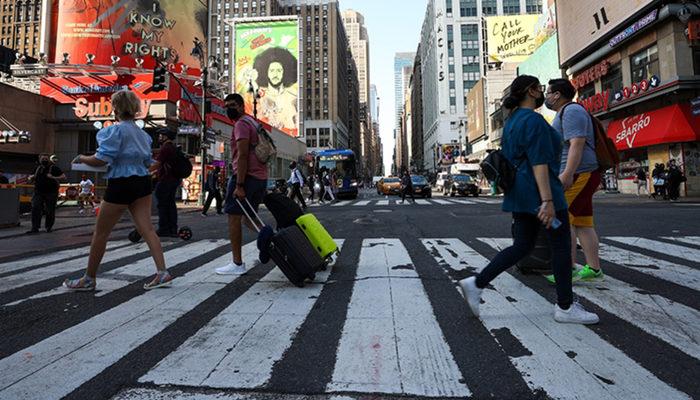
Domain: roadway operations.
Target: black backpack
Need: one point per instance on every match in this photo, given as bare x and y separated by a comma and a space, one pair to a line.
284, 209
496, 168
182, 166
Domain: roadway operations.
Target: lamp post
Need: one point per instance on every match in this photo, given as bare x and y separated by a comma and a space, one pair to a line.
198, 51
256, 96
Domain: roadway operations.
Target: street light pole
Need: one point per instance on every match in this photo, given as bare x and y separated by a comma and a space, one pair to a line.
255, 94
203, 139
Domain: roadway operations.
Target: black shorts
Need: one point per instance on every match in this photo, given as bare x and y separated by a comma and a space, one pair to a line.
254, 192
125, 191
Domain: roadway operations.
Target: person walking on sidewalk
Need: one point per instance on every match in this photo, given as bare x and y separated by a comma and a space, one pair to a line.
46, 178
248, 181
536, 199
579, 174
296, 180
213, 192
641, 178
326, 186
406, 186
167, 185
127, 150
311, 182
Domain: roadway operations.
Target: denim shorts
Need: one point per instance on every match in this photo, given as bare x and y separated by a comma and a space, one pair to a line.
254, 192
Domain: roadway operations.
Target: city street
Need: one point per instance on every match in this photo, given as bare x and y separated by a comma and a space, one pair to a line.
385, 321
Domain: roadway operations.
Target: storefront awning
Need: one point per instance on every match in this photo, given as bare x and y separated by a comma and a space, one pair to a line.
672, 124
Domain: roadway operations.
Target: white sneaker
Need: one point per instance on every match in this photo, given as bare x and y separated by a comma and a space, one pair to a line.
471, 293
576, 314
232, 269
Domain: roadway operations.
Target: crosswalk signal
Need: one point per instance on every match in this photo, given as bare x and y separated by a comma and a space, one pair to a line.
159, 79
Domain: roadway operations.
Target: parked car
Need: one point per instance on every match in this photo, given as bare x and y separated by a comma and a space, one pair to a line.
441, 181
421, 187
389, 185
461, 184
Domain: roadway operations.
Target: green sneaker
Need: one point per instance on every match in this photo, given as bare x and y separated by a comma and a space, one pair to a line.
551, 280
588, 274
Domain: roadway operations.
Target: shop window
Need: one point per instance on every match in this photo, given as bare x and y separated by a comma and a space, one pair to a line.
586, 91
645, 64
613, 80
696, 60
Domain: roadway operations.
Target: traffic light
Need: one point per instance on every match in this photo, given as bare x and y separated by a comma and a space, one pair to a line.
160, 76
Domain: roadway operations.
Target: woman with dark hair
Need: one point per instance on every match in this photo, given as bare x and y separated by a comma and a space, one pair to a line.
277, 75
534, 148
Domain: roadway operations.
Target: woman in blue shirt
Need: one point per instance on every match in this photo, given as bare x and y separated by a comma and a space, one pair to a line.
537, 199
126, 149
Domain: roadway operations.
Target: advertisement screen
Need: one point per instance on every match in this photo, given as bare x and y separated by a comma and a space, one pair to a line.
511, 38
583, 22
129, 29
267, 54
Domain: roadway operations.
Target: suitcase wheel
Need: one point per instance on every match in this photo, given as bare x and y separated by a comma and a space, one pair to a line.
134, 236
185, 233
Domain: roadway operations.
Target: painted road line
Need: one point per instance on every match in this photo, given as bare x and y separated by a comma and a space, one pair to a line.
63, 362
239, 347
423, 202
54, 256
662, 269
667, 249
383, 203
362, 203
462, 201
443, 202
40, 274
487, 201
694, 240
342, 203
379, 350
674, 323
556, 358
121, 277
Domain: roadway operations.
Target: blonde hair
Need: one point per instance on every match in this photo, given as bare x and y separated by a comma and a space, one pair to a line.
125, 104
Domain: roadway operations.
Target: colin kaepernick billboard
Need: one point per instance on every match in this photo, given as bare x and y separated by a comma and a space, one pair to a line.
129, 29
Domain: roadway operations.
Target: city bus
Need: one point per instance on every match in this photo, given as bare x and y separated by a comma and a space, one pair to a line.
344, 162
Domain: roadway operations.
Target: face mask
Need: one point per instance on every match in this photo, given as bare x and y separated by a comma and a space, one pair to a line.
539, 101
233, 113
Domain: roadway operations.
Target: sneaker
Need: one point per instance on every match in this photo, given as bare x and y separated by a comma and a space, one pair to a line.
552, 280
588, 274
203, 214
471, 293
232, 269
576, 314
162, 279
83, 284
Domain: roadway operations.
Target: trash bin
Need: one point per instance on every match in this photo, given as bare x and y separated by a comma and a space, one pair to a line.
9, 212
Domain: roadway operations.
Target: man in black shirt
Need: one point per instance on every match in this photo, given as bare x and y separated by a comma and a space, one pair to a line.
46, 179
213, 192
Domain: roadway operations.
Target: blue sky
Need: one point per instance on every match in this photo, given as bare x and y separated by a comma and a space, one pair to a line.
393, 26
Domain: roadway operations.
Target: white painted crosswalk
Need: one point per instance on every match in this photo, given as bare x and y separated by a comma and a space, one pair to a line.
421, 202
390, 339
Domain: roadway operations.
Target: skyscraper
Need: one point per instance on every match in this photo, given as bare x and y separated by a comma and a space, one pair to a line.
20, 26
359, 44
401, 60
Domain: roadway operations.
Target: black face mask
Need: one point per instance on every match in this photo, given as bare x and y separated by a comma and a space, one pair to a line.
539, 101
233, 113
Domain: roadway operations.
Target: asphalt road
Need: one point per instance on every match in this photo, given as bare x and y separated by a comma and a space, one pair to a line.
385, 321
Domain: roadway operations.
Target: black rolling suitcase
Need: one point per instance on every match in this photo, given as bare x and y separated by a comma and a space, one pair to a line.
539, 260
290, 250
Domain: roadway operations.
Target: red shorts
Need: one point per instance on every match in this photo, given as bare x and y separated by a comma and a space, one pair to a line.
579, 197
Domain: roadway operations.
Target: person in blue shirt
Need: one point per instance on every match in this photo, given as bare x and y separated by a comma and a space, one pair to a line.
536, 200
126, 150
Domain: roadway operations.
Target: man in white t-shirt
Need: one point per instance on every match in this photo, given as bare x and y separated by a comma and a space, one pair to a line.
85, 194
296, 181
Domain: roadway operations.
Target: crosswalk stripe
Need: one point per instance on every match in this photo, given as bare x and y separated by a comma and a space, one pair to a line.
674, 323
342, 203
462, 201
659, 268
383, 203
65, 361
379, 349
668, 249
693, 240
487, 201
51, 271
443, 202
362, 203
111, 281
239, 347
53, 256
423, 202
515, 308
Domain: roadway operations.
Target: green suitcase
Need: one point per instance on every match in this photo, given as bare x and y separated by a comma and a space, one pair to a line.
317, 235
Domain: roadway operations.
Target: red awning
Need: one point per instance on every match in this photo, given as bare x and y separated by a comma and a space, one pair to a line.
672, 124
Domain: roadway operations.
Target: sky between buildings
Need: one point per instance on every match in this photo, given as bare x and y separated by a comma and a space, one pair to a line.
393, 26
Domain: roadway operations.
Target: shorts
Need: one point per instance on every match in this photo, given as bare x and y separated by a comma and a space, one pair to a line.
125, 191
579, 197
254, 191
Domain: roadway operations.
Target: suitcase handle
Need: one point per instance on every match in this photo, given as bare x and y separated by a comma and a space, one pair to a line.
252, 211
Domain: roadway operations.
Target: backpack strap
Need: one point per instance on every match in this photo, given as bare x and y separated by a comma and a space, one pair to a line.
561, 119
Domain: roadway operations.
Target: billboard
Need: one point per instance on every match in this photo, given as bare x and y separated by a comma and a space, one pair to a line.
511, 38
266, 56
129, 29
543, 64
584, 22
475, 112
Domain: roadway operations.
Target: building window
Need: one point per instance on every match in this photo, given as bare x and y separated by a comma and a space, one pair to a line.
533, 6
467, 8
489, 7
448, 7
450, 41
511, 7
613, 80
586, 91
645, 64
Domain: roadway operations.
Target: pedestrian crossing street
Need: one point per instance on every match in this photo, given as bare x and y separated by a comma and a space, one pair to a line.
385, 202
386, 318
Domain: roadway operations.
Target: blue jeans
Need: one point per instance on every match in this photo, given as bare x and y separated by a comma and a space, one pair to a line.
525, 229
167, 209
